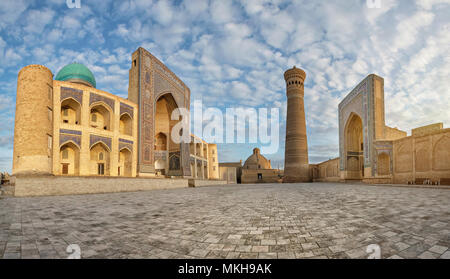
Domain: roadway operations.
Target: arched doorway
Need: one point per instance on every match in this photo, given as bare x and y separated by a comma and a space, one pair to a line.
100, 159
354, 146
125, 163
70, 112
100, 117
70, 159
161, 142
125, 124
165, 105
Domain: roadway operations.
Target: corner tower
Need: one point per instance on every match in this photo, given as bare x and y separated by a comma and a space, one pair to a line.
296, 165
33, 128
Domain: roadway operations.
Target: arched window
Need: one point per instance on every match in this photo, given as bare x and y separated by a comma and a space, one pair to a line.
94, 117
65, 154
100, 156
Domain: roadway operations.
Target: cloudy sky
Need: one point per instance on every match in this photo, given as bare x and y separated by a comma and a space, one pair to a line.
234, 54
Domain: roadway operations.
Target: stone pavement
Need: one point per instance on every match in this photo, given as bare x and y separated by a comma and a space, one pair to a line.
239, 221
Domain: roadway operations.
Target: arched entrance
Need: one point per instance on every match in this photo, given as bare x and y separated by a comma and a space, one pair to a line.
100, 159
100, 117
125, 163
125, 124
165, 105
354, 146
70, 159
70, 112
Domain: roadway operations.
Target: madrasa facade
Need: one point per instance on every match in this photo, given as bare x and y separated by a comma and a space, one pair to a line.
66, 126
374, 153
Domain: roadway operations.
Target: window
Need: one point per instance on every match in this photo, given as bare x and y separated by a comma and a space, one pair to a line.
214, 168
66, 121
213, 151
50, 114
259, 166
94, 117
214, 159
66, 112
100, 156
134, 63
65, 154
259, 176
50, 93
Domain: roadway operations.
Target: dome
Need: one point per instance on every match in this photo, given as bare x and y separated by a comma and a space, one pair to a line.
257, 161
77, 73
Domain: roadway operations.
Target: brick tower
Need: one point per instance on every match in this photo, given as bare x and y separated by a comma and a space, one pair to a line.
33, 131
296, 165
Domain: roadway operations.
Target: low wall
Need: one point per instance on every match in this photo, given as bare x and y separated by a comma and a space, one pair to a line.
201, 183
54, 186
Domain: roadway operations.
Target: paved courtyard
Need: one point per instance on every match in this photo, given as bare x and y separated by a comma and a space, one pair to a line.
239, 221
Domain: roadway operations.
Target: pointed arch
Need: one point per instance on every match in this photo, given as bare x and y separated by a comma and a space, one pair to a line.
69, 158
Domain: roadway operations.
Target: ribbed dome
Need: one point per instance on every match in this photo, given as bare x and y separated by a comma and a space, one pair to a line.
257, 161
77, 73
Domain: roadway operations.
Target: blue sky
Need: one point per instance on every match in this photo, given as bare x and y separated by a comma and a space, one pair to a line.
234, 53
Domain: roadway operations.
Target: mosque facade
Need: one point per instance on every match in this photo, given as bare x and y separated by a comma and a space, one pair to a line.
65, 126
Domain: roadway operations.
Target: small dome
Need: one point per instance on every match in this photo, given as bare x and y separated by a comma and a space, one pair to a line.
77, 73
257, 161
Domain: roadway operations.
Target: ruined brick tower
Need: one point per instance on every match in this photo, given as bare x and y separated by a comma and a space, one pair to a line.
296, 165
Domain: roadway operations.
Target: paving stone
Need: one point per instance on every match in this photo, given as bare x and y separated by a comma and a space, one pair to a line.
428, 255
320, 220
438, 249
260, 249
446, 255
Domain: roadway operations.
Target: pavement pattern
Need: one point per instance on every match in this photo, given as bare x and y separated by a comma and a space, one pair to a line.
267, 221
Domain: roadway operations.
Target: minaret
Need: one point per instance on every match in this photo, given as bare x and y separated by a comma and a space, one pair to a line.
296, 165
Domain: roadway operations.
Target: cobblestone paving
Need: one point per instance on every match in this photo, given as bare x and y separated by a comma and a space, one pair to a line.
251, 221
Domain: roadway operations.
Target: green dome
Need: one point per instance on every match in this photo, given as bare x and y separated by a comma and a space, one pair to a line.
76, 72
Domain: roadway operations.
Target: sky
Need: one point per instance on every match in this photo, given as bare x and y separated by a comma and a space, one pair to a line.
234, 54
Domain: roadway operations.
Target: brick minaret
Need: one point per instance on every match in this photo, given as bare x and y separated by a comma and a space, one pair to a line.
296, 165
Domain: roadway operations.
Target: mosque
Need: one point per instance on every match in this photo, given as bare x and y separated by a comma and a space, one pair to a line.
65, 126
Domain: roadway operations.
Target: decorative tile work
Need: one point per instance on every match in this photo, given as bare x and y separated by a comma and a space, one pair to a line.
123, 143
126, 141
66, 138
154, 80
98, 98
174, 161
162, 86
76, 94
95, 139
70, 132
160, 155
69, 135
124, 108
360, 90
185, 159
169, 75
146, 111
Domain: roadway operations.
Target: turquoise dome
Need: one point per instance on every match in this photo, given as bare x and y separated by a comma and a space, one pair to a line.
76, 72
